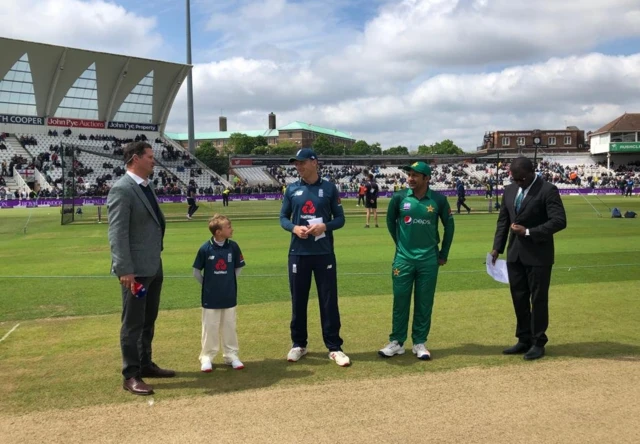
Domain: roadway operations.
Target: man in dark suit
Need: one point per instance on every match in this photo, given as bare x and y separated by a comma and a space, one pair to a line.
531, 213
136, 231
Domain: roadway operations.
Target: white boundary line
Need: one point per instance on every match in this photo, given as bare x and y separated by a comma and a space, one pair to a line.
10, 331
565, 267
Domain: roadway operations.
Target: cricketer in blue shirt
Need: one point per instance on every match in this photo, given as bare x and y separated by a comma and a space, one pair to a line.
311, 211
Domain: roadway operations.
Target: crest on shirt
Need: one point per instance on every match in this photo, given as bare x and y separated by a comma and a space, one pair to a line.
430, 209
406, 206
212, 257
298, 193
321, 193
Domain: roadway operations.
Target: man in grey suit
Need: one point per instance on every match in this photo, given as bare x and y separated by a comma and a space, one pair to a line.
531, 213
136, 231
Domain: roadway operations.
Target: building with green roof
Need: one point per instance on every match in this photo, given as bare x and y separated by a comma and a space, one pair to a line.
303, 134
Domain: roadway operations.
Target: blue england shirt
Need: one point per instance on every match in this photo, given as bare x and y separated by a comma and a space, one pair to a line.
302, 202
219, 263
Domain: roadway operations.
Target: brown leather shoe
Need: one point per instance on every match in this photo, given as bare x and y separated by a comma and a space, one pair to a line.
153, 371
137, 386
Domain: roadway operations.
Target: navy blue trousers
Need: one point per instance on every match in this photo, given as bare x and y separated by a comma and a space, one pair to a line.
323, 268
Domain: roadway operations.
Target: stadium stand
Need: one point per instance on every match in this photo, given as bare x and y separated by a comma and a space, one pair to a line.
99, 161
99, 164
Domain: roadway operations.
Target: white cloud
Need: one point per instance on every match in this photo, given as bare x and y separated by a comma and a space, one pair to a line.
586, 91
421, 70
465, 33
94, 25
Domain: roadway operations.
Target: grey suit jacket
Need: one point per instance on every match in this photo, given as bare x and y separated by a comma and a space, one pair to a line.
542, 213
135, 233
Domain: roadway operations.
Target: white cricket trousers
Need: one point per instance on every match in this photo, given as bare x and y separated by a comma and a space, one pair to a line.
219, 325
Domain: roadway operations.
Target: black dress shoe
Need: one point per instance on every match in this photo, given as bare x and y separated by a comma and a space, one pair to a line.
534, 352
137, 386
153, 371
520, 347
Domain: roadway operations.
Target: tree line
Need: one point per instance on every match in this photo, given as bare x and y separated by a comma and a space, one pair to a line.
242, 144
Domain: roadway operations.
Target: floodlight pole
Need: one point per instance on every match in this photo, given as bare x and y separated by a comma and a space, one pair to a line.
192, 148
497, 179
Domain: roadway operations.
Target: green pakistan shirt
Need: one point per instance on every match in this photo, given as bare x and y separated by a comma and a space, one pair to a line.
413, 224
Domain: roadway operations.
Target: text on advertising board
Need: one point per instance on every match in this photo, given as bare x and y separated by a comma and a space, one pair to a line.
133, 126
21, 120
75, 123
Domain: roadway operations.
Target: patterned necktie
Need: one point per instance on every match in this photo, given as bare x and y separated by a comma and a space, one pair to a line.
519, 199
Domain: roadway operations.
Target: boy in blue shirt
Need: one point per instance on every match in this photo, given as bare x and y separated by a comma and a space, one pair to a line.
221, 260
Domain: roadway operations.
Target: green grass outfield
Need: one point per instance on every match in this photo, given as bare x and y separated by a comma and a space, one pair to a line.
54, 283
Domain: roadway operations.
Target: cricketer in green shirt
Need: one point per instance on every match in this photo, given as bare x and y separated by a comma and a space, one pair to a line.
412, 220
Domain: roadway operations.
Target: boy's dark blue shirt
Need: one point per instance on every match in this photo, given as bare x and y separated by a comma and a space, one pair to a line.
303, 201
219, 263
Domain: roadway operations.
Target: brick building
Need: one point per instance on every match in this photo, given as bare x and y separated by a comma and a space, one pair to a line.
571, 139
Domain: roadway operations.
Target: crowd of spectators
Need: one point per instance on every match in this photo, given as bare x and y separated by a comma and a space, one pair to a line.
347, 177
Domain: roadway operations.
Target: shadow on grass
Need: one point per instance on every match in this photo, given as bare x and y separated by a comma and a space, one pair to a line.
256, 374
593, 350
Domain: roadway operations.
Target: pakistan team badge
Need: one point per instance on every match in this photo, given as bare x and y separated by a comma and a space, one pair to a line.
430, 209
396, 272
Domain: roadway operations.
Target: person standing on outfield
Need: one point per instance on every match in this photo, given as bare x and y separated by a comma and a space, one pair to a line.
630, 184
221, 260
311, 212
488, 193
225, 196
412, 220
461, 196
361, 192
371, 199
136, 233
531, 213
191, 200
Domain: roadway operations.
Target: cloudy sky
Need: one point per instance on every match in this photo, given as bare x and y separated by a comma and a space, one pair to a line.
391, 71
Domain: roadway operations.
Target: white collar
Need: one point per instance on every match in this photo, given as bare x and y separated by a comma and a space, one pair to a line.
139, 180
525, 191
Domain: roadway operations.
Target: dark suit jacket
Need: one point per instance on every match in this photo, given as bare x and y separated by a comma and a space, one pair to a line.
541, 212
135, 233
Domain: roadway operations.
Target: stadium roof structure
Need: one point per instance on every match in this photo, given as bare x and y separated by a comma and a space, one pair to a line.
626, 122
48, 81
294, 126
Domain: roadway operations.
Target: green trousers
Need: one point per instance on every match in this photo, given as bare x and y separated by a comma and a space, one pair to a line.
419, 277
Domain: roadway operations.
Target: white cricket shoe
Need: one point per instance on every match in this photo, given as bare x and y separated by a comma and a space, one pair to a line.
421, 352
391, 349
296, 353
206, 366
235, 363
340, 358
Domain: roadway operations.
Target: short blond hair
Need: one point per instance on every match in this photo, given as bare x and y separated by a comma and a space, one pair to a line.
216, 222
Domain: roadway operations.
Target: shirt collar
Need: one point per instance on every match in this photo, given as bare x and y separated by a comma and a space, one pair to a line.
317, 182
525, 191
139, 180
214, 243
427, 194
